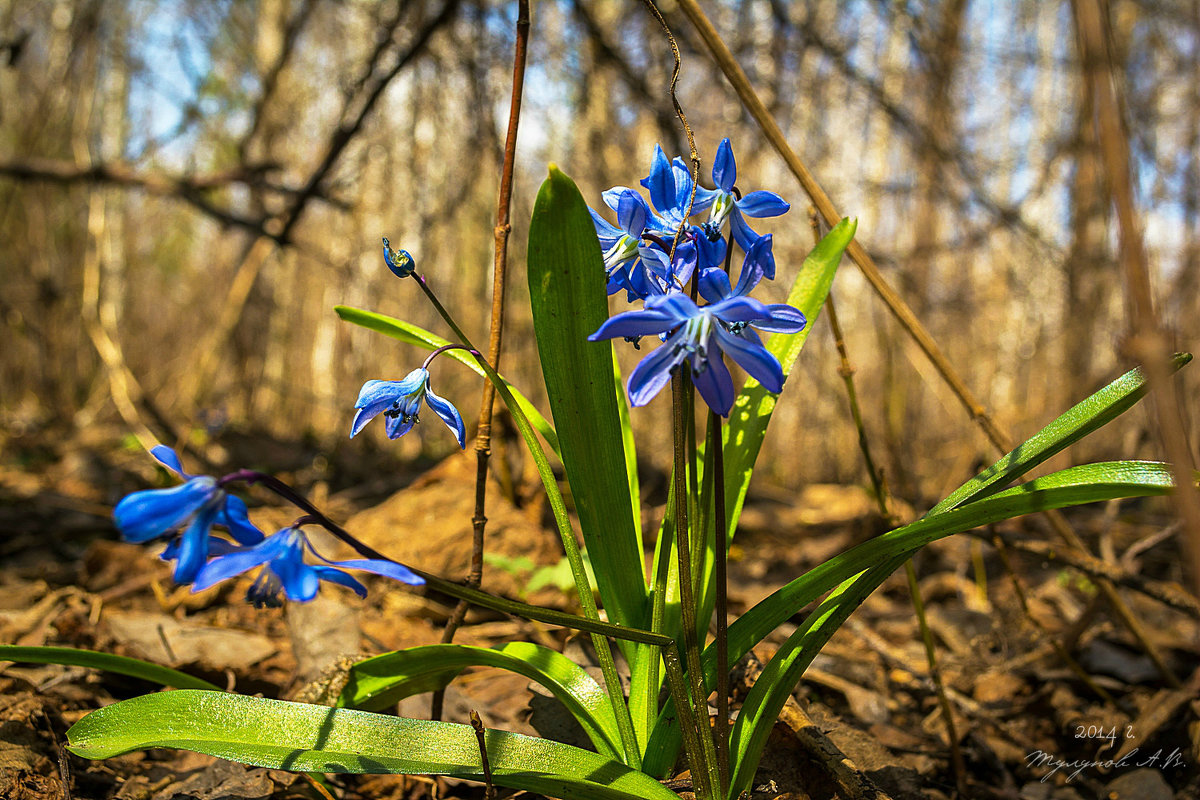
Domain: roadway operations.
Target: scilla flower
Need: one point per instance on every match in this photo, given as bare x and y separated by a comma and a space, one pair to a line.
400, 401
723, 203
400, 262
697, 335
192, 509
284, 569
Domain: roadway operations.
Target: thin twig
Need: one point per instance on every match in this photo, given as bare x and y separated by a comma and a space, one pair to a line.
489, 790
483, 433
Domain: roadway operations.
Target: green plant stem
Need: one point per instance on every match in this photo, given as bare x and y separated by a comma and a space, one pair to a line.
704, 774
720, 564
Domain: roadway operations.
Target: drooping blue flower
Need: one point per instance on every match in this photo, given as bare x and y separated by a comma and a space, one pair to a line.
192, 509
698, 335
400, 262
621, 243
723, 204
400, 402
284, 569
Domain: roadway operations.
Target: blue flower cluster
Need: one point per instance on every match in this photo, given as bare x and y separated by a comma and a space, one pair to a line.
188, 513
652, 254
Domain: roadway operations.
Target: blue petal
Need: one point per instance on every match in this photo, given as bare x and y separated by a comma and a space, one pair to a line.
759, 263
193, 546
704, 199
606, 232
751, 357
168, 458
714, 285
449, 414
224, 567
676, 304
632, 213
634, 323
740, 309
388, 569
376, 396
300, 581
724, 170
654, 371
715, 385
144, 515
612, 197
742, 232
683, 188
712, 254
763, 204
660, 182
783, 319
398, 426
236, 518
337, 576
217, 546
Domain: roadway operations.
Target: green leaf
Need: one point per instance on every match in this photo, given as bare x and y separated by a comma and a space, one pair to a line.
411, 334
569, 300
1069, 487
779, 678
381, 681
121, 665
1096, 411
311, 738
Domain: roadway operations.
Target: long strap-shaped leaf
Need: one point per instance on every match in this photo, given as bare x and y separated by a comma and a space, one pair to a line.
121, 665
311, 738
569, 302
1096, 411
412, 334
1070, 487
378, 682
777, 681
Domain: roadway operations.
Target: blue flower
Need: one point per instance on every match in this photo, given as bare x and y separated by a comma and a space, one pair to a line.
400, 262
193, 507
670, 185
284, 569
636, 252
400, 402
723, 204
698, 335
759, 263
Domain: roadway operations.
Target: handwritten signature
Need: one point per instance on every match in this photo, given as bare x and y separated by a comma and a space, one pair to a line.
1040, 758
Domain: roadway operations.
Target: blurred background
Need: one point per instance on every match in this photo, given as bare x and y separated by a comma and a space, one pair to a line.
188, 188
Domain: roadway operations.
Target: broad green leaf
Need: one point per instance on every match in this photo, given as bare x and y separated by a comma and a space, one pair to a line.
121, 665
311, 738
378, 682
1096, 411
411, 334
569, 300
1089, 483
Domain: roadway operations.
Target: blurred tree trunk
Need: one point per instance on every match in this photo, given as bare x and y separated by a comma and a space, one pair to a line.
1088, 266
941, 49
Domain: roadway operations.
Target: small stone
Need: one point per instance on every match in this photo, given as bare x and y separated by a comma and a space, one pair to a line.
1141, 784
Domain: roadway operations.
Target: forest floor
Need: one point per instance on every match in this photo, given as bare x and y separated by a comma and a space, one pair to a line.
1037, 669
